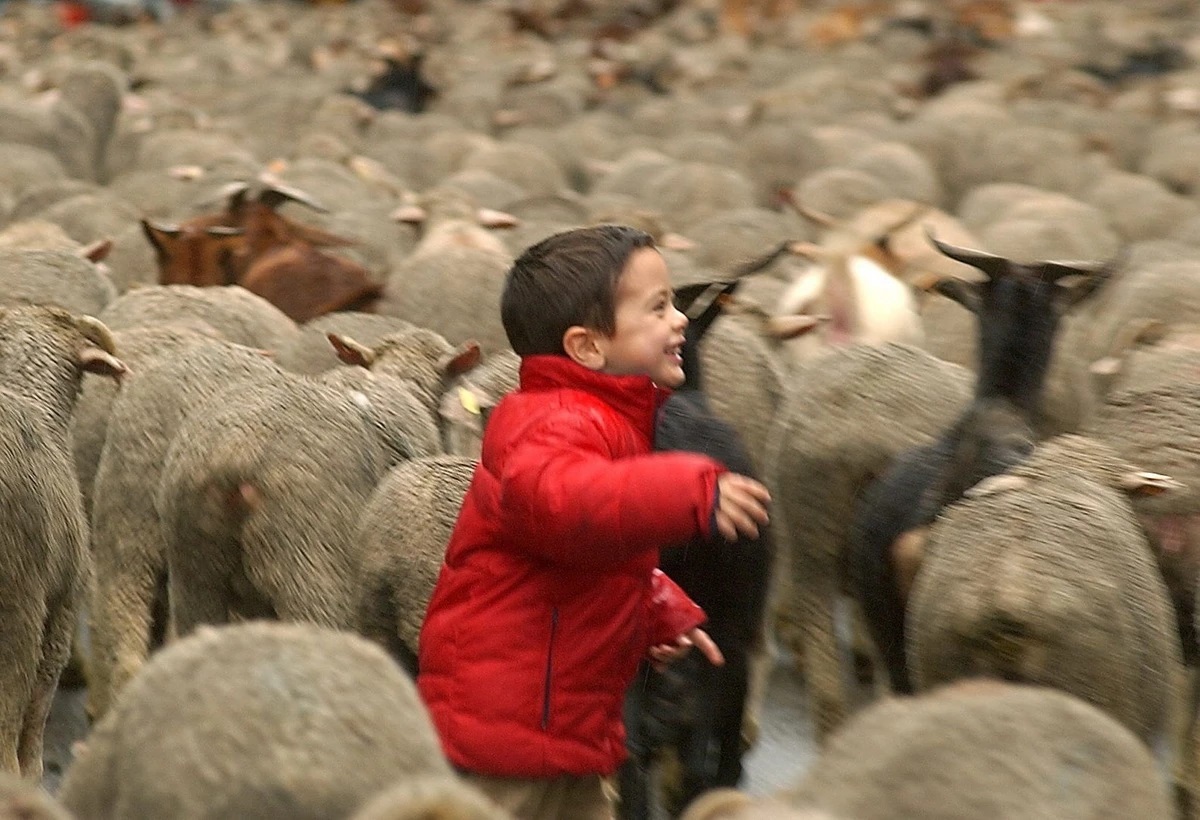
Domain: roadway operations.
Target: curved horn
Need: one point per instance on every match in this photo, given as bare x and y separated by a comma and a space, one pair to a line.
275, 193
1053, 271
231, 196
224, 230
994, 266
788, 196
918, 210
755, 265
96, 331
169, 229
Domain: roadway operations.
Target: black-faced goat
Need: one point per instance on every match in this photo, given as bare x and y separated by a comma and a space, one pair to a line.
1019, 308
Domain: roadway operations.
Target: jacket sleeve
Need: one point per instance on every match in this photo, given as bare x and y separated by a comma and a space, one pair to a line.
672, 612
564, 498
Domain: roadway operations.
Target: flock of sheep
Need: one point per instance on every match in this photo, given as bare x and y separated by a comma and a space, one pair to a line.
920, 182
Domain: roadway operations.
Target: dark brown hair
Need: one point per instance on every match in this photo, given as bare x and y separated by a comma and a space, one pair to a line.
567, 279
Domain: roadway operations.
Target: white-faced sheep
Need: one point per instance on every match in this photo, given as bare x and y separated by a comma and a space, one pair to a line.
43, 355
261, 720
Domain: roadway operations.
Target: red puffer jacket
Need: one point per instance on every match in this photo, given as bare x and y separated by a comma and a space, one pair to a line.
549, 595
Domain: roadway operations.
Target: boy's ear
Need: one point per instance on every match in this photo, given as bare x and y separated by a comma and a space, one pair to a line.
584, 346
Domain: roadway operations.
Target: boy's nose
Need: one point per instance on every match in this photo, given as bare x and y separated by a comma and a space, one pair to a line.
681, 319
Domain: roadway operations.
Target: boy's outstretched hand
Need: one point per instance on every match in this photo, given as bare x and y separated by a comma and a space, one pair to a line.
664, 653
741, 506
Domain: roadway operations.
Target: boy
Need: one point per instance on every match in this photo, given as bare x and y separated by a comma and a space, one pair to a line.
549, 595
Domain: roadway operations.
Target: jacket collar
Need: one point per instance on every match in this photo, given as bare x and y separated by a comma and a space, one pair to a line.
635, 397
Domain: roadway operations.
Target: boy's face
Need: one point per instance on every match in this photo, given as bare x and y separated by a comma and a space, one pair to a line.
649, 335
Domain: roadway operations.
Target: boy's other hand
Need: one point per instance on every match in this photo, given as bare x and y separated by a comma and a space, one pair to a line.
741, 506
665, 653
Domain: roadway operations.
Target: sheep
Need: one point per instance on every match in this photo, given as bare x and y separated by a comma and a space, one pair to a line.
423, 359
55, 276
45, 352
773, 155
403, 532
56, 125
89, 422
261, 720
128, 610
96, 89
1018, 308
430, 796
272, 483
1152, 426
234, 312
39, 196
25, 168
35, 234
453, 290
87, 217
1043, 575
983, 749
466, 404
845, 418
689, 192
258, 500
1138, 206
528, 166
22, 800
309, 351
693, 708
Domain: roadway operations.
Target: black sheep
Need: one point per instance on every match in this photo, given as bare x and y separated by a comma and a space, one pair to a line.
1018, 308
693, 707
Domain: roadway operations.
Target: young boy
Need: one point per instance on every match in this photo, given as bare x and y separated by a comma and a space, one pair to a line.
549, 595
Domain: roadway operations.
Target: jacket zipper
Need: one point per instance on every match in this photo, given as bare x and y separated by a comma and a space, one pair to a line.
549, 668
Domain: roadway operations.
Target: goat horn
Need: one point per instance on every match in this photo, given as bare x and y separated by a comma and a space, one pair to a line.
820, 218
1053, 271
169, 229
994, 266
96, 331
762, 262
275, 193
224, 230
919, 209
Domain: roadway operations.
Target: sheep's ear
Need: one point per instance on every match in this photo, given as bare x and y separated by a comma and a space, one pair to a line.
464, 358
350, 351
96, 251
102, 363
789, 327
965, 293
996, 484
1141, 483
